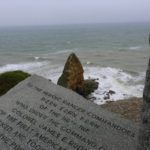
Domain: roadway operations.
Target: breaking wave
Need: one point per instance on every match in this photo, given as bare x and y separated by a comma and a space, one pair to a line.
22, 66
122, 84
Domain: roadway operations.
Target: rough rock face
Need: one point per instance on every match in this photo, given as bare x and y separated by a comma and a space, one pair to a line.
144, 134
72, 76
90, 85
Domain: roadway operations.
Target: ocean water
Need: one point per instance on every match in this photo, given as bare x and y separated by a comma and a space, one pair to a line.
114, 54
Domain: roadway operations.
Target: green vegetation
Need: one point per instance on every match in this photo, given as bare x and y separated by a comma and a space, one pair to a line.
62, 81
10, 79
89, 87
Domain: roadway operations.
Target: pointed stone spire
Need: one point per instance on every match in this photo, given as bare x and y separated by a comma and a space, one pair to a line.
72, 76
144, 134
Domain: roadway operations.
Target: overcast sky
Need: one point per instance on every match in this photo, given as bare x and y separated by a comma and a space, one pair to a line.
45, 12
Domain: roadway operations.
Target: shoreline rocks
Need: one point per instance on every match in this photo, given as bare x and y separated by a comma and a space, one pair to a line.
127, 108
73, 78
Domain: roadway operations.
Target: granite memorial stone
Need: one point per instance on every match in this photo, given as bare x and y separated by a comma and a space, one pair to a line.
39, 115
144, 135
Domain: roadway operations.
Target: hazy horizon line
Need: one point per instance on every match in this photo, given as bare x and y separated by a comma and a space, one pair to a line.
65, 24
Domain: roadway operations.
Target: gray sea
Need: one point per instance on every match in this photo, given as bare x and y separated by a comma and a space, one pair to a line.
115, 54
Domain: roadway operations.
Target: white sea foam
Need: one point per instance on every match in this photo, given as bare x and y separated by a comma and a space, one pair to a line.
39, 58
45, 69
65, 51
36, 58
123, 84
51, 72
88, 62
22, 66
110, 79
135, 47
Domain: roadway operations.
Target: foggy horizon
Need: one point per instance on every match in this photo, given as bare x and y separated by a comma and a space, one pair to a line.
65, 12
72, 24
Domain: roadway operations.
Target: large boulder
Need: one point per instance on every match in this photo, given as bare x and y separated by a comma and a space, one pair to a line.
72, 76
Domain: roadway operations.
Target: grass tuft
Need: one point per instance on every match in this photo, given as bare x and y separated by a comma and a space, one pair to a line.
10, 79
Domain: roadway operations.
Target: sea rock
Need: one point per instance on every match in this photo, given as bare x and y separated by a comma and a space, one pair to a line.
72, 76
90, 85
108, 94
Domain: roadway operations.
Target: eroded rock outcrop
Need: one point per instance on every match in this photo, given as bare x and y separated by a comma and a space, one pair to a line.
72, 76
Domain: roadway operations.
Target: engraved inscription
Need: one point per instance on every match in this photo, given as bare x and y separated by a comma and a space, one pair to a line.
53, 122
